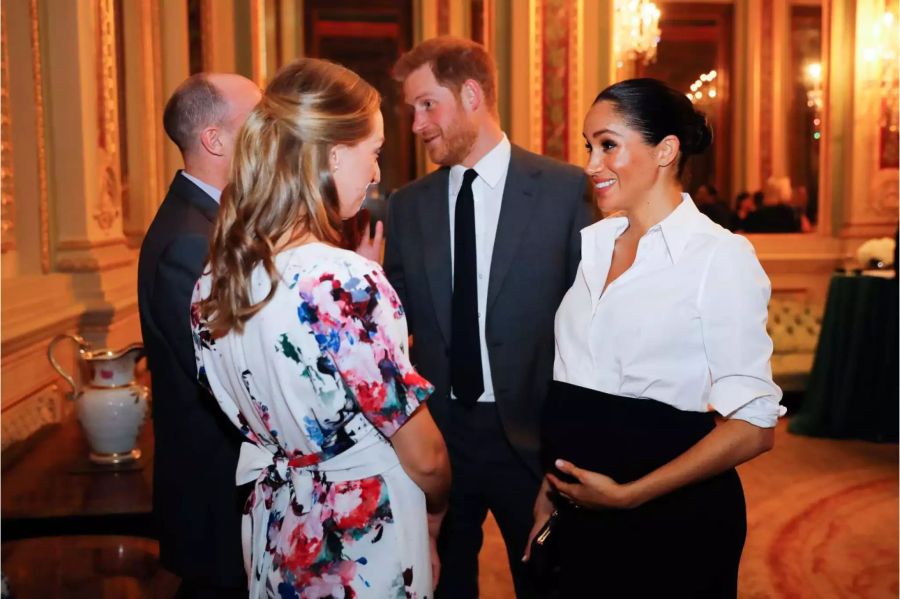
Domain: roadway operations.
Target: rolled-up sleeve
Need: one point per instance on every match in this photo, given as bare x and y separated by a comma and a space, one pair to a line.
733, 309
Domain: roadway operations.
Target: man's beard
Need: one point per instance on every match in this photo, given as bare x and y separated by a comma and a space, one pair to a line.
457, 141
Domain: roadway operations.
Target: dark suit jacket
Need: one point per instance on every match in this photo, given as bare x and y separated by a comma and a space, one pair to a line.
195, 500
536, 254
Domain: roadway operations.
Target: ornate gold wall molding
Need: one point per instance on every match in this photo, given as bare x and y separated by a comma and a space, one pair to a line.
144, 135
555, 52
560, 49
7, 205
258, 41
30, 414
575, 107
108, 208
207, 37
443, 17
86, 244
89, 263
883, 199
766, 89
95, 258
40, 134
536, 74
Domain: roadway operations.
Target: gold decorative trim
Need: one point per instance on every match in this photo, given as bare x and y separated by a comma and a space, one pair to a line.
537, 76
258, 41
143, 129
576, 80
443, 17
90, 263
109, 205
86, 244
40, 135
883, 197
767, 89
25, 417
207, 41
7, 204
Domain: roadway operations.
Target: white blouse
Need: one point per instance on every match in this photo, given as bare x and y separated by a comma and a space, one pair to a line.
684, 325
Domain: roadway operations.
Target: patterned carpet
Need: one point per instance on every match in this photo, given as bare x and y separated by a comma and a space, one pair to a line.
822, 523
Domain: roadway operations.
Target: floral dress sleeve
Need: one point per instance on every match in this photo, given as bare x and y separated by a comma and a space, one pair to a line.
361, 332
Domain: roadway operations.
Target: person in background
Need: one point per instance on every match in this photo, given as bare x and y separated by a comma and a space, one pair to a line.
776, 214
481, 251
195, 502
745, 204
707, 200
758, 197
663, 328
304, 346
800, 203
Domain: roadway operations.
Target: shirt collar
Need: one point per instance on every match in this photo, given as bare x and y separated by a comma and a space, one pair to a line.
493, 166
676, 228
211, 191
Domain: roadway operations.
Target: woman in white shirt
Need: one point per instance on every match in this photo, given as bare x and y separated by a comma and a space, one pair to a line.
663, 328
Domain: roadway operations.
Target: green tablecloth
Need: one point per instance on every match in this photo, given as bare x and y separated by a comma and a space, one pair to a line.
853, 388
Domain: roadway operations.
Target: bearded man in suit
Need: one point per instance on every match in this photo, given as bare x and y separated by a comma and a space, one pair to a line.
196, 503
481, 252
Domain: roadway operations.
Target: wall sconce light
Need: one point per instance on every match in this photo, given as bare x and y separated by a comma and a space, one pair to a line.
636, 31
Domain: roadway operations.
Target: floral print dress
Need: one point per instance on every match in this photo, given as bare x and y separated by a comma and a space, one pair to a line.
317, 382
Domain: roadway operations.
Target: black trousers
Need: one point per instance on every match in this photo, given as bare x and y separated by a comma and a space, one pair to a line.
487, 475
686, 544
190, 589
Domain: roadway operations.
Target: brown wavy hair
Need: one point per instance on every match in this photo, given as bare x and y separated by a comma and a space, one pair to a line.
281, 187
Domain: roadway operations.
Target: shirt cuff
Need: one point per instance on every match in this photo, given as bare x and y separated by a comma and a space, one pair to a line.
747, 398
762, 412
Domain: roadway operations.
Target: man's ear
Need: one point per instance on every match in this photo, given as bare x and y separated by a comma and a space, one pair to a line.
667, 150
471, 94
209, 139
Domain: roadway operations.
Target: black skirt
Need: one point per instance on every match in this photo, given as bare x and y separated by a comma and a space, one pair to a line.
687, 543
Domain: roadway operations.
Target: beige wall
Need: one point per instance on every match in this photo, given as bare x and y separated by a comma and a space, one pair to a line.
72, 224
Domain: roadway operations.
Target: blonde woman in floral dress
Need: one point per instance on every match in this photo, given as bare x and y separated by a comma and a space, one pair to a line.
303, 345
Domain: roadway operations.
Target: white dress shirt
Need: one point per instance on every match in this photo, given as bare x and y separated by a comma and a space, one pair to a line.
211, 191
487, 191
684, 325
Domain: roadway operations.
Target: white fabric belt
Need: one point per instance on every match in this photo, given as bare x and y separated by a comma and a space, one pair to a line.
370, 456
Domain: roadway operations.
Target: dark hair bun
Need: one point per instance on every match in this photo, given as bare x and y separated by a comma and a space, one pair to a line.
699, 135
656, 110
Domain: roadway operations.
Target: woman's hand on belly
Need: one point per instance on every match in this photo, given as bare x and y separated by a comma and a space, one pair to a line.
729, 444
592, 490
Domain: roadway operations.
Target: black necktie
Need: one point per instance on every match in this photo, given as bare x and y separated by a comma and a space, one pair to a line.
465, 346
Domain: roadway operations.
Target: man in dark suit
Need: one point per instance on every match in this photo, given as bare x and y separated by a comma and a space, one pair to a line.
481, 252
195, 500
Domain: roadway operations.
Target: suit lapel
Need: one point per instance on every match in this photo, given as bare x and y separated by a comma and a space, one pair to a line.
434, 227
519, 199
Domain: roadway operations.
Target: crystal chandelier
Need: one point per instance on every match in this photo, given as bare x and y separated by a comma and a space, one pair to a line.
636, 31
703, 89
